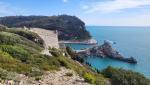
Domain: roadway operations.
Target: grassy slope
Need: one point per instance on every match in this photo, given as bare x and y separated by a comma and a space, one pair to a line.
19, 53
83, 70
19, 50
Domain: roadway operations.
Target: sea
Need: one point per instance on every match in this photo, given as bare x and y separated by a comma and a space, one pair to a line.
130, 41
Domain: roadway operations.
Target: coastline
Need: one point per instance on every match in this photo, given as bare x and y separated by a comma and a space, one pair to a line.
91, 41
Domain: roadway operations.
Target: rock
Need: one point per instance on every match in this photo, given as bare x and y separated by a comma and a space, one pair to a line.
131, 60
106, 50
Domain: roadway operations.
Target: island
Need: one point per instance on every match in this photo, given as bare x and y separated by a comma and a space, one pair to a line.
105, 50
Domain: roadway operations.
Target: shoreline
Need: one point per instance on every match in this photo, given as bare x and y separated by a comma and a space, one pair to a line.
91, 41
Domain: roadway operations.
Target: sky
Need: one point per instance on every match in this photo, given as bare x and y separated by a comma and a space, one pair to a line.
92, 12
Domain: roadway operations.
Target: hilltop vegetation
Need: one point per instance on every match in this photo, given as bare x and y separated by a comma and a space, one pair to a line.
69, 27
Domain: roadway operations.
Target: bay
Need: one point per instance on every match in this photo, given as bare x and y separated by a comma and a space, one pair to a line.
130, 41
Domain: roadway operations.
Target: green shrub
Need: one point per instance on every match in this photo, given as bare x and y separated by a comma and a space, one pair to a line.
6, 58
14, 39
28, 34
63, 63
5, 75
71, 52
37, 78
9, 63
45, 62
16, 52
125, 77
89, 78
36, 72
69, 74
2, 28
55, 54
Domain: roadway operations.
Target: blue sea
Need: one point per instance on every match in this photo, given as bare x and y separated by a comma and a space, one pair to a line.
130, 41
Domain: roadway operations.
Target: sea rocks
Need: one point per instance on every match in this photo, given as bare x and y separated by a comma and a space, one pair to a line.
106, 50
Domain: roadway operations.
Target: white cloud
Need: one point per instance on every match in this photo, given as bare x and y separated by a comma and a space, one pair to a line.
6, 9
65, 1
115, 5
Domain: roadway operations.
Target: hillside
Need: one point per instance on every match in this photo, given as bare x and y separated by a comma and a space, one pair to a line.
21, 61
69, 27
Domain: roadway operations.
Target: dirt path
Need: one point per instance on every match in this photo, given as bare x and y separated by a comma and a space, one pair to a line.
62, 77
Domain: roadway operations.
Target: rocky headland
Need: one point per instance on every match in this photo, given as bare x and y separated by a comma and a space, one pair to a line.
105, 50
68, 27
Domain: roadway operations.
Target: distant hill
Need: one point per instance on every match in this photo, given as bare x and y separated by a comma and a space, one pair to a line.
69, 27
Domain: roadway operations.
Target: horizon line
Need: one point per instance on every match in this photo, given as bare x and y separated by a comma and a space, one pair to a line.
117, 25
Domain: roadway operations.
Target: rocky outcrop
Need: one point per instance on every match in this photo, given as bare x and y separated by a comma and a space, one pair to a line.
106, 50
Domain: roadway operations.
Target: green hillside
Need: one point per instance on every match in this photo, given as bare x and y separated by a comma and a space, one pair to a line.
69, 27
21, 54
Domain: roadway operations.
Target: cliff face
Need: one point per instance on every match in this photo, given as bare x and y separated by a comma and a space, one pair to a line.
69, 27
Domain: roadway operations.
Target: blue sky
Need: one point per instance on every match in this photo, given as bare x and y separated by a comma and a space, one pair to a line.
92, 12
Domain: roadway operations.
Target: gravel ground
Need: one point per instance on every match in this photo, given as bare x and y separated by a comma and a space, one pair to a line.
62, 77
